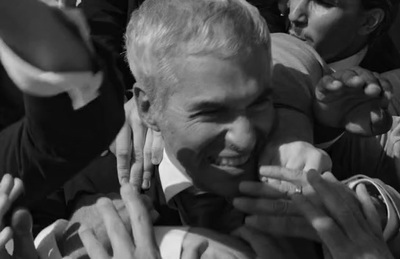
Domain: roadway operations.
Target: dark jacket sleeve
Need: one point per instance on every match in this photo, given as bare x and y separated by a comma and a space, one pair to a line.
53, 142
107, 20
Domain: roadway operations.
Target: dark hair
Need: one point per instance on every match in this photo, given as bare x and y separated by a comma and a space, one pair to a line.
389, 7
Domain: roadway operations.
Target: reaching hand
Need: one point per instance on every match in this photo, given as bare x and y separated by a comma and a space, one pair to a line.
355, 99
347, 229
137, 149
21, 222
272, 211
124, 246
298, 155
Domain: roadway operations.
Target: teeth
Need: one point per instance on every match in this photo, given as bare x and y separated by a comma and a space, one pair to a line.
231, 161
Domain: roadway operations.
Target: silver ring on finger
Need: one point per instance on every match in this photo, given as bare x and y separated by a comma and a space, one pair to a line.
298, 190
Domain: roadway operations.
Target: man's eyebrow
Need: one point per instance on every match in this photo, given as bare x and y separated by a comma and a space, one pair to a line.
205, 104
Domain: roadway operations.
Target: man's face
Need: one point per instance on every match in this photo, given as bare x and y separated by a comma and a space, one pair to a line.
330, 26
215, 118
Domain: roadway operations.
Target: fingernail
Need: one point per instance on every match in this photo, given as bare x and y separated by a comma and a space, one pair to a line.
237, 202
124, 180
251, 220
156, 160
313, 176
203, 247
241, 204
146, 184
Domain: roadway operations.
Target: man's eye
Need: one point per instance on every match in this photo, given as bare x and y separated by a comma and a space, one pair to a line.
207, 113
326, 3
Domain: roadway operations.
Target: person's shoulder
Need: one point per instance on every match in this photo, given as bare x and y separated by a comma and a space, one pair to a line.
292, 54
291, 51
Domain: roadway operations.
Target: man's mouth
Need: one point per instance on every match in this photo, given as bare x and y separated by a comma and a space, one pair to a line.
235, 161
297, 33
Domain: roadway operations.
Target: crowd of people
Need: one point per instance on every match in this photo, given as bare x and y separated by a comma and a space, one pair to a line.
199, 129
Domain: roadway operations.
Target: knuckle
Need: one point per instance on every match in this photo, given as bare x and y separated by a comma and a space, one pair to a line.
139, 154
148, 252
259, 189
285, 188
4, 200
103, 202
136, 183
137, 175
280, 207
123, 169
147, 152
323, 224
122, 154
126, 190
296, 174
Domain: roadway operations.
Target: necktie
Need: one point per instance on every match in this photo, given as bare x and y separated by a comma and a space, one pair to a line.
200, 209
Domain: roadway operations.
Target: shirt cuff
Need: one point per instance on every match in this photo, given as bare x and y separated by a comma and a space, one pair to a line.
170, 240
328, 144
46, 241
82, 87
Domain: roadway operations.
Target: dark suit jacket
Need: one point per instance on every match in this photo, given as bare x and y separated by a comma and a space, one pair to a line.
101, 177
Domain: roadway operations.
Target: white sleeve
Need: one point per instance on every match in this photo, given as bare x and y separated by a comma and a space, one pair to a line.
46, 240
170, 240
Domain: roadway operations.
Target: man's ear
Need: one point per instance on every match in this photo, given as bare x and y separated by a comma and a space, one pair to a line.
373, 19
146, 108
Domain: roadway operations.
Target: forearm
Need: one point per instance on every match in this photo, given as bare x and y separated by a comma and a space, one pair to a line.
42, 37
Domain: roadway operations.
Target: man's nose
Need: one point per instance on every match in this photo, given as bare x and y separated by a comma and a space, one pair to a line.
241, 135
298, 11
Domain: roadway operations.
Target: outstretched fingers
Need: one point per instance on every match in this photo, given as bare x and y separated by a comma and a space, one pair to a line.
142, 226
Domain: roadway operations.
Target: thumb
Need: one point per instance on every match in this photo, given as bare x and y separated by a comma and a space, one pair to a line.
21, 222
195, 250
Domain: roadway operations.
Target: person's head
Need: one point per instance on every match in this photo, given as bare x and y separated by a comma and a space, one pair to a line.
203, 69
338, 29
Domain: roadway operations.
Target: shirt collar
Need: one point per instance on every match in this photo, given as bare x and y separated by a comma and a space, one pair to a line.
173, 180
349, 62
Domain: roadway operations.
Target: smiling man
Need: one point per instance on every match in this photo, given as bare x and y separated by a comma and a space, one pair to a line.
209, 94
204, 79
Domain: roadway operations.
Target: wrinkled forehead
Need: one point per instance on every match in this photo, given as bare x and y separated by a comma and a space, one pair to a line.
253, 60
234, 79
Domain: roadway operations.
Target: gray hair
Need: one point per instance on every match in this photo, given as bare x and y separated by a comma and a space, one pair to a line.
161, 31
